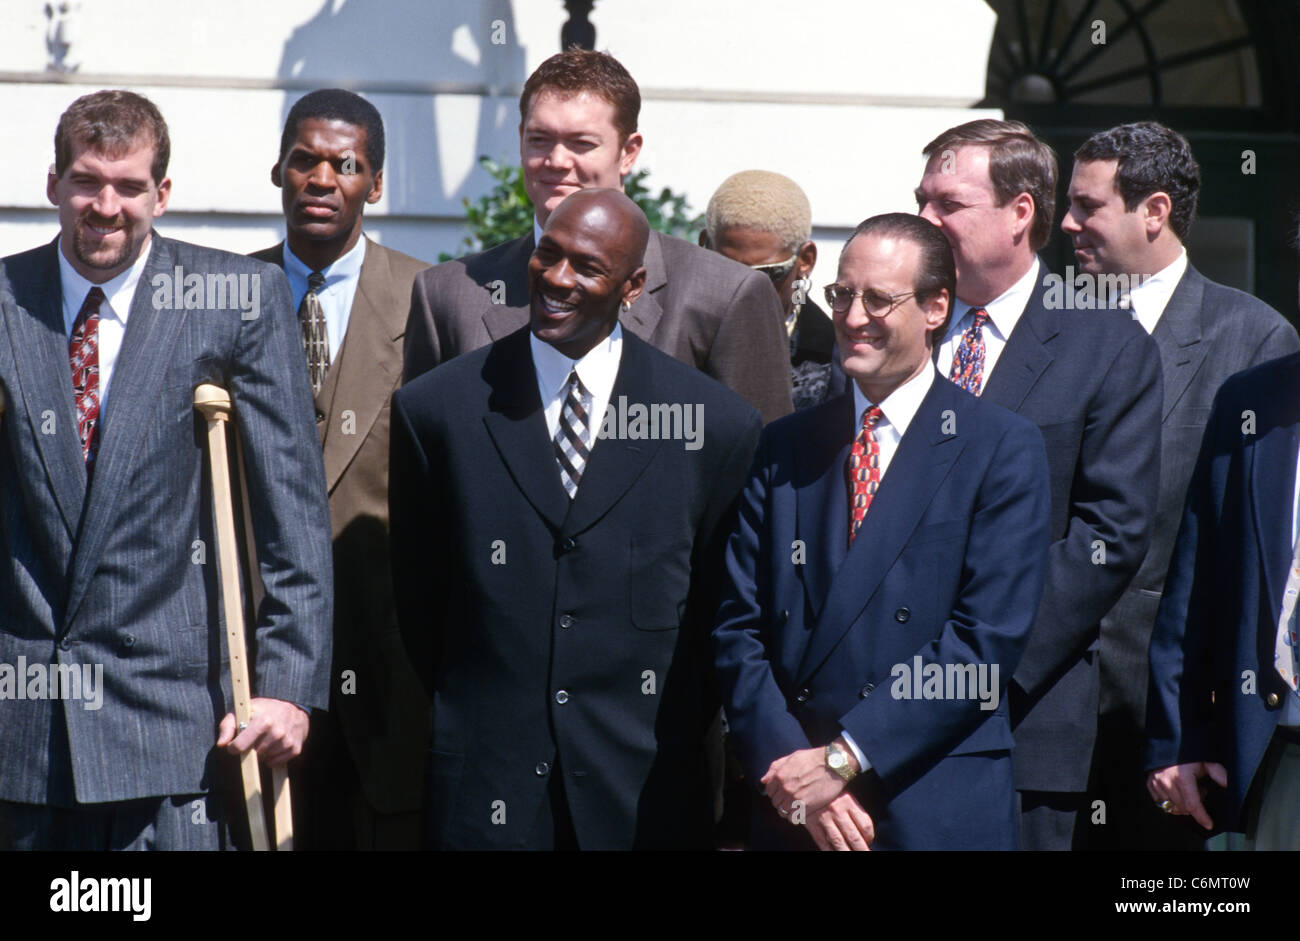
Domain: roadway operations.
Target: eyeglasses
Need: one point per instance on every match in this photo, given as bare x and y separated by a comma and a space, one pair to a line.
777, 271
876, 303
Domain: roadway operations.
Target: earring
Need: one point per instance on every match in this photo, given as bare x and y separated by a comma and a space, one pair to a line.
624, 306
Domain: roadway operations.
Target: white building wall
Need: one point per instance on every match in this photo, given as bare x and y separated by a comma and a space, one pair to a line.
839, 96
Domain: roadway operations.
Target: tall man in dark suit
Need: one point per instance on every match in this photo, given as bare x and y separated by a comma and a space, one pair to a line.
883, 577
1090, 381
359, 787
578, 115
560, 501
108, 567
1223, 711
1132, 200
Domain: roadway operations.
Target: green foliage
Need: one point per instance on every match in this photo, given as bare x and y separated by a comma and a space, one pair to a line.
506, 212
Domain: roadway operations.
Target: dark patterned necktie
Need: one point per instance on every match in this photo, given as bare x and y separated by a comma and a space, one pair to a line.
315, 336
83, 355
863, 470
968, 364
573, 436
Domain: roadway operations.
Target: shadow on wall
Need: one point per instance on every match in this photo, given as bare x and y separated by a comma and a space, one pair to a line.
398, 53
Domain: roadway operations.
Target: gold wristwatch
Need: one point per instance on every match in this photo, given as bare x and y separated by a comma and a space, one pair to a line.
838, 760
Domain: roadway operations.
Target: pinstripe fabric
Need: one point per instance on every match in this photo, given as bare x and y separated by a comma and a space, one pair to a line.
123, 574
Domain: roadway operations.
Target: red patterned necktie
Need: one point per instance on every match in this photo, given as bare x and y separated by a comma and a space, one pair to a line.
863, 470
83, 354
968, 364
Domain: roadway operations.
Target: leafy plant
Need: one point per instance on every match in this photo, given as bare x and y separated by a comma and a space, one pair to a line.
505, 212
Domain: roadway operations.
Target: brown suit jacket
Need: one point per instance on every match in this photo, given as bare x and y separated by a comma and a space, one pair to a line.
383, 711
698, 307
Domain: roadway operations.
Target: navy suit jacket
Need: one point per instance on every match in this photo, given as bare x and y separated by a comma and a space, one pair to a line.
1223, 595
108, 571
1090, 380
509, 595
948, 566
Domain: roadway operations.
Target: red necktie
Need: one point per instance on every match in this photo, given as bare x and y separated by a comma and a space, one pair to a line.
863, 470
968, 364
83, 354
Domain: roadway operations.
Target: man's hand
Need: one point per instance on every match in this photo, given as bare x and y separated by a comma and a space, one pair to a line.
1180, 785
802, 776
842, 825
277, 730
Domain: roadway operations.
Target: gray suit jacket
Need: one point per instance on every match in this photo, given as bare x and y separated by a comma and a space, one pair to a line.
698, 307
110, 576
1206, 333
384, 716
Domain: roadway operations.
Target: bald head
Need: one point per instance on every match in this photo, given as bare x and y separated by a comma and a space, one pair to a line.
588, 263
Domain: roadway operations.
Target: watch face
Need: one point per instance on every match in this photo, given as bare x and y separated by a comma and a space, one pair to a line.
837, 759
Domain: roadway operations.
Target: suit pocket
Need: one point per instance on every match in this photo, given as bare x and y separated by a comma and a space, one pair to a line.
659, 580
939, 532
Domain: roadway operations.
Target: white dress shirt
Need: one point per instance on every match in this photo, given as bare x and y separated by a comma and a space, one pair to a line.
597, 369
1148, 300
335, 295
1004, 313
1291, 713
119, 294
898, 408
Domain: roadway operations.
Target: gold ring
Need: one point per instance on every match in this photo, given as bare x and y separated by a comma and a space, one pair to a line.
1167, 806
783, 812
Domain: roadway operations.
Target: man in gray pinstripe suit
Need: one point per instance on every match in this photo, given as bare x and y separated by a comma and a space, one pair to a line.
116, 730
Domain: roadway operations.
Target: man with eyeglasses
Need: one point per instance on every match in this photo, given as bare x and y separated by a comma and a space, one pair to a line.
892, 535
763, 220
1090, 380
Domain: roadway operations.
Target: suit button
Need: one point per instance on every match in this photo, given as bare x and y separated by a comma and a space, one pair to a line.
561, 696
320, 416
65, 644
568, 544
542, 769
1272, 700
567, 620
128, 641
866, 690
803, 695
901, 615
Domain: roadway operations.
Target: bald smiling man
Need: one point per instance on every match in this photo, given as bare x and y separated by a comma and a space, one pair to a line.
559, 504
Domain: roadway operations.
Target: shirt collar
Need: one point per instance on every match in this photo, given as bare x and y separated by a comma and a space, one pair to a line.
597, 368
901, 405
119, 291
1004, 310
348, 266
537, 232
1149, 299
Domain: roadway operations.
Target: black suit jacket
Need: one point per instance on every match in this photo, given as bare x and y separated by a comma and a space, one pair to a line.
1090, 381
509, 595
700, 308
1206, 333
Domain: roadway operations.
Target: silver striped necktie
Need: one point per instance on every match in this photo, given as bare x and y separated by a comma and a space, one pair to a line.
573, 436
315, 335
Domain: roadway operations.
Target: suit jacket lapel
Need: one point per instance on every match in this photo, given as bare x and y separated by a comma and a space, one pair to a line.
1272, 484
137, 378
40, 345
643, 317
501, 320
517, 425
821, 496
616, 462
1178, 335
1025, 357
370, 361
922, 461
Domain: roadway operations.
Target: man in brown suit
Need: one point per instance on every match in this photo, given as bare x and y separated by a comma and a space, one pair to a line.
577, 130
358, 785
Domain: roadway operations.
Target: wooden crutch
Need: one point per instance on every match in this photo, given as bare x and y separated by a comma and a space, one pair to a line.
215, 405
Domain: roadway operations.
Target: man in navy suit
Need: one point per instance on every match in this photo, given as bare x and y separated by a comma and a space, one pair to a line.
557, 561
1090, 380
1222, 705
883, 577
